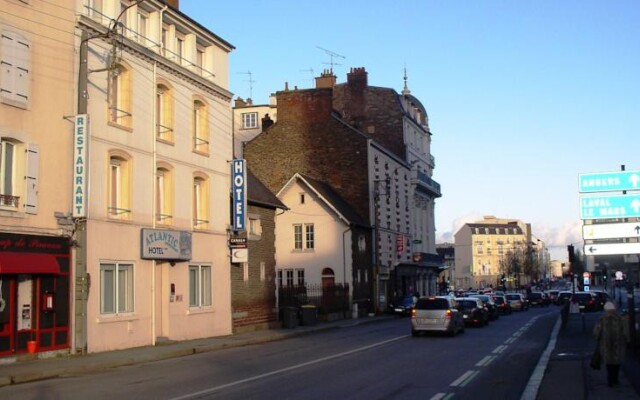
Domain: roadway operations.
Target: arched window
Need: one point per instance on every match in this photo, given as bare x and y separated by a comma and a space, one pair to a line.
164, 113
164, 195
200, 127
119, 187
200, 202
120, 96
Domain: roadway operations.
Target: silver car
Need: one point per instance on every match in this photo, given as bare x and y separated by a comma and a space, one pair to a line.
436, 314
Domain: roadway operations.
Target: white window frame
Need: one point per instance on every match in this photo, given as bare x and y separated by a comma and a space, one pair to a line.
200, 215
263, 268
310, 237
200, 286
122, 298
249, 120
245, 272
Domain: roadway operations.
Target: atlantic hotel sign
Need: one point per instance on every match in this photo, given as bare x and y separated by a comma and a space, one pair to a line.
161, 244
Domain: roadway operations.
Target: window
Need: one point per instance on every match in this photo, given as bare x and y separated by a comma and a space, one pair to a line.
164, 191
118, 187
300, 276
200, 131
255, 227
245, 272
15, 63
262, 271
179, 49
200, 203
199, 285
94, 9
8, 195
297, 237
143, 27
165, 41
250, 120
289, 277
164, 113
119, 96
200, 60
309, 236
116, 288
302, 198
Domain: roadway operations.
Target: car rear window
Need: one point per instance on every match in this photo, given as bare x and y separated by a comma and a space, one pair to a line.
535, 296
499, 300
467, 304
432, 304
513, 297
581, 297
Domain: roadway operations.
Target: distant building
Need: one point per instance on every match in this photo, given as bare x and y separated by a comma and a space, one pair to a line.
250, 120
448, 254
486, 250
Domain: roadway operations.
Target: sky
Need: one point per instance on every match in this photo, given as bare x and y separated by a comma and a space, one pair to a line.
522, 96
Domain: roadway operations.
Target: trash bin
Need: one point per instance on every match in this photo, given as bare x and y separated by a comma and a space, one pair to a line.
308, 315
290, 317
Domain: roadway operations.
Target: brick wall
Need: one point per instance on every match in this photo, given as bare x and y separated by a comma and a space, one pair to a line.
253, 302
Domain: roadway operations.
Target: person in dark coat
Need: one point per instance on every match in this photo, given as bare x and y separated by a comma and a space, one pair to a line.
612, 337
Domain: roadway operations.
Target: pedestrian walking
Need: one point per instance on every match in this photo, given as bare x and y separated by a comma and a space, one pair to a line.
612, 339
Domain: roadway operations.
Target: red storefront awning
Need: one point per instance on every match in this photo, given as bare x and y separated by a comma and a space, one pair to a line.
28, 263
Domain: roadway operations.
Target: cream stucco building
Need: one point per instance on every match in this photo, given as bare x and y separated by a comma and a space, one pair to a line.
483, 247
157, 199
37, 83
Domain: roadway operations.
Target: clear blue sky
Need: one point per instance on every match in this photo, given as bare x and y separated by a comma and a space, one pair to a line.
522, 96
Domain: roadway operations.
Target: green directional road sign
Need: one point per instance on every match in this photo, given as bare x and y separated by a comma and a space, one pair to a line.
606, 206
609, 181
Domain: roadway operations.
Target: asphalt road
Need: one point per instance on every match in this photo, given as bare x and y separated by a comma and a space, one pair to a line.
372, 361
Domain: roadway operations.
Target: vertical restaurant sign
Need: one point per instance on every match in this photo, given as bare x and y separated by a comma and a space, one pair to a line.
239, 193
80, 143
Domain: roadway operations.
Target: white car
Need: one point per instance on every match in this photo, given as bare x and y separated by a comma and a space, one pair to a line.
436, 314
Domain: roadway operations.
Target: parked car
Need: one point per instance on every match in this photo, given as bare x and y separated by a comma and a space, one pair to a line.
563, 297
402, 305
517, 302
502, 304
436, 314
538, 299
489, 304
553, 295
586, 301
601, 298
473, 311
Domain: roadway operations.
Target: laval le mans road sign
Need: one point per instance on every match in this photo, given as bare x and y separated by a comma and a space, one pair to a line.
611, 231
609, 181
602, 207
607, 249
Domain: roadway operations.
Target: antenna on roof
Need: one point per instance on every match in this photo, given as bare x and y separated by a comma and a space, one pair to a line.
310, 70
332, 55
251, 82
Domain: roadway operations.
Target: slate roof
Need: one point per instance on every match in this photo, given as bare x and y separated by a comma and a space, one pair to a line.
259, 195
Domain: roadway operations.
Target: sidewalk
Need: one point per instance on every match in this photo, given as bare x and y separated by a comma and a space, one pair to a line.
27, 368
568, 375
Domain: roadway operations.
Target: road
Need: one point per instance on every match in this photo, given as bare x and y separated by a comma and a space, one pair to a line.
368, 361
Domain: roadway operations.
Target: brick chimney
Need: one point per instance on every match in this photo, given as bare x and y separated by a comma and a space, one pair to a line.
311, 105
356, 85
266, 122
326, 80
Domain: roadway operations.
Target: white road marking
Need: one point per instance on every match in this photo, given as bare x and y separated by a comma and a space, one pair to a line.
287, 369
463, 378
485, 361
510, 340
531, 391
499, 349
441, 396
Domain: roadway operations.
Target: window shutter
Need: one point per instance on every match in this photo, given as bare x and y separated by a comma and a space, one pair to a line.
33, 164
7, 63
22, 70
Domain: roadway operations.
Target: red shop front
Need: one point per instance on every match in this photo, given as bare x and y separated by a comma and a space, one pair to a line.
34, 293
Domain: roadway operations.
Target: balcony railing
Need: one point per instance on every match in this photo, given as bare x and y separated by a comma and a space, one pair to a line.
9, 201
427, 184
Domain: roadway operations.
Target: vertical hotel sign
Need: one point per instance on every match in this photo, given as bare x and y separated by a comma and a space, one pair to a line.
239, 193
80, 166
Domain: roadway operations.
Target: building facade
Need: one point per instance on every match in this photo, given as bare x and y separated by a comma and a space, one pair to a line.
249, 120
496, 251
355, 138
154, 85
36, 150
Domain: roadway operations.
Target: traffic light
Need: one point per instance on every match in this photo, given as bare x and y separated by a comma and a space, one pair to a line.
572, 254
